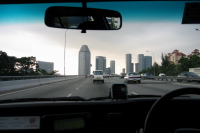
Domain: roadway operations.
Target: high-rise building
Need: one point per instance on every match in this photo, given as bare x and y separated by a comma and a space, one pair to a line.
144, 62
148, 61
108, 70
101, 63
129, 64
141, 62
137, 67
84, 60
112, 66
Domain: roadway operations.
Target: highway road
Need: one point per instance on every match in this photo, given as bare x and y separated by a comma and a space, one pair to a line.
84, 87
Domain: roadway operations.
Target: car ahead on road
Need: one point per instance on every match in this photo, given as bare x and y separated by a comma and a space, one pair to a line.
106, 75
98, 76
187, 74
147, 76
122, 75
55, 30
162, 74
132, 77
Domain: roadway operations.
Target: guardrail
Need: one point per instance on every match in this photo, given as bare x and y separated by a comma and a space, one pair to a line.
173, 78
8, 78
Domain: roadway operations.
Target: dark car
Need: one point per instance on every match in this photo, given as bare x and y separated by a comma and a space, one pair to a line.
188, 75
148, 76
122, 75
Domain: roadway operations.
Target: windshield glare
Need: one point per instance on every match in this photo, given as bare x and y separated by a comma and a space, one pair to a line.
37, 61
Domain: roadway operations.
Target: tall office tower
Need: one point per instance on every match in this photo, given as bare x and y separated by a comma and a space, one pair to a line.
101, 63
108, 70
84, 60
112, 66
137, 67
148, 62
141, 62
129, 65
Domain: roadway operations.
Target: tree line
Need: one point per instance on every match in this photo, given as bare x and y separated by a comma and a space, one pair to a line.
13, 66
171, 69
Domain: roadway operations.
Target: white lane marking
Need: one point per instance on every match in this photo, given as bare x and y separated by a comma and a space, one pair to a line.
77, 88
134, 93
69, 95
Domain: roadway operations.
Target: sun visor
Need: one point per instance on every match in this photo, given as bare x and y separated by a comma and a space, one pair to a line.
191, 13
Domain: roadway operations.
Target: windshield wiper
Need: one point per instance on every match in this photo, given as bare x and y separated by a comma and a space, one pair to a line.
75, 98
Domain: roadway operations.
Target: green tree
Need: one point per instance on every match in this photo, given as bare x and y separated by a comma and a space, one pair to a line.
27, 65
164, 64
7, 64
195, 61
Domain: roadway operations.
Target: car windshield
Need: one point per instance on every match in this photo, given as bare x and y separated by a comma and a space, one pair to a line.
98, 73
38, 61
130, 74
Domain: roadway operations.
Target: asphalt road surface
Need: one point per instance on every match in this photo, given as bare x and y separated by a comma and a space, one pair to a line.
84, 87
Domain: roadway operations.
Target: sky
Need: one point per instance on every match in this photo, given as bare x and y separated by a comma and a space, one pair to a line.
23, 33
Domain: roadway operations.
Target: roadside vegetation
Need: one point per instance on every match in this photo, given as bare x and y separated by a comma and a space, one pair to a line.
13, 66
171, 69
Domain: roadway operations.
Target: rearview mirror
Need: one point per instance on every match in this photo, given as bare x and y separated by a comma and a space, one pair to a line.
82, 18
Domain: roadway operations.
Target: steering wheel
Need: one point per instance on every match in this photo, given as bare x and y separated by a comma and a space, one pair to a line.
150, 125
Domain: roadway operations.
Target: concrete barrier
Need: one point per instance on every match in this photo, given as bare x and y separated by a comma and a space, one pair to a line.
19, 84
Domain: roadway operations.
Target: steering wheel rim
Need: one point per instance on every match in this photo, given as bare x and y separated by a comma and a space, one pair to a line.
150, 126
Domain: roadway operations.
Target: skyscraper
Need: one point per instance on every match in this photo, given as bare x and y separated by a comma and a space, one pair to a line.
112, 66
129, 64
148, 61
84, 60
101, 63
144, 62
137, 67
141, 62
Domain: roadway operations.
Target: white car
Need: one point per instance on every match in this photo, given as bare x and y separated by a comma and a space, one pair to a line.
98, 76
162, 74
132, 77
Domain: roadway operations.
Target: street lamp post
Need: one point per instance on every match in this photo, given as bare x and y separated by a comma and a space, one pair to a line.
154, 62
64, 51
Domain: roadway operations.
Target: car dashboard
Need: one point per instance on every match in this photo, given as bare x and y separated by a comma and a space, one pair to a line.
96, 116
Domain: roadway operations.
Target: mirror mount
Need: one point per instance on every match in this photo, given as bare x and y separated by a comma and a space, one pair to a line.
84, 5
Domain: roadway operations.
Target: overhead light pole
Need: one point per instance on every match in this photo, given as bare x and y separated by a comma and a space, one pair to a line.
153, 63
64, 51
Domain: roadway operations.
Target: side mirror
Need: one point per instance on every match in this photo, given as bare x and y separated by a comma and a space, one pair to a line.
82, 18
